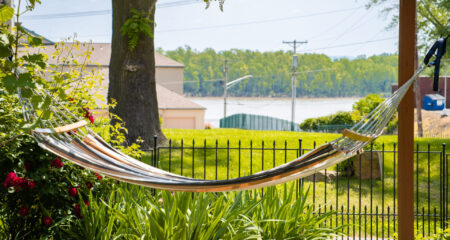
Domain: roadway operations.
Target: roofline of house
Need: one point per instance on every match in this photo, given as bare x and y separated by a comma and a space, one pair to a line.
50, 42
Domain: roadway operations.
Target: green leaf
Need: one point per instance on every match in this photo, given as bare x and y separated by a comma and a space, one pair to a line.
25, 80
37, 59
10, 83
6, 13
35, 101
46, 103
34, 41
26, 92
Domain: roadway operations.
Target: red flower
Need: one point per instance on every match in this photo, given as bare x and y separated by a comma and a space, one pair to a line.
72, 192
88, 115
22, 183
57, 162
31, 184
13, 181
89, 185
77, 211
8, 180
27, 166
86, 202
47, 221
24, 211
91, 118
98, 176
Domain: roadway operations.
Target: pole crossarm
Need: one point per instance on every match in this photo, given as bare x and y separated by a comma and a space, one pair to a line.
232, 83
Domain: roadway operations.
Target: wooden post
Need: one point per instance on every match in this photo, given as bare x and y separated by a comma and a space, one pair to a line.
407, 46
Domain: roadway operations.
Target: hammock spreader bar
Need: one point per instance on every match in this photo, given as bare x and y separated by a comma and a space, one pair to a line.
62, 129
356, 136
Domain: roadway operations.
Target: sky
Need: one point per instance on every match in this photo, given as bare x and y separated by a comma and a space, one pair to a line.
333, 27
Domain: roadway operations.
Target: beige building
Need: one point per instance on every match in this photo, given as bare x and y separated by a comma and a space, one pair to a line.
175, 110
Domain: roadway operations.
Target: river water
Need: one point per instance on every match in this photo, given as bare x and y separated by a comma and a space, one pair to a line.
273, 107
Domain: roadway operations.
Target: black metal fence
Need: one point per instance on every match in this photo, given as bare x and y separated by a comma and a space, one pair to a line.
364, 203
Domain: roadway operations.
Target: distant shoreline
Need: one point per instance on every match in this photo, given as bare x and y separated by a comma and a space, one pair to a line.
275, 98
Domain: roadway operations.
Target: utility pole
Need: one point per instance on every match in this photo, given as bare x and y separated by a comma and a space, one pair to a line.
225, 70
294, 77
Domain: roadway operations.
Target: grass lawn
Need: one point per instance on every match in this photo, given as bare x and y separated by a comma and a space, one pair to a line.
344, 193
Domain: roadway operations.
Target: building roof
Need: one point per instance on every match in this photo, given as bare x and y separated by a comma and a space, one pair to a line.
101, 54
172, 100
435, 96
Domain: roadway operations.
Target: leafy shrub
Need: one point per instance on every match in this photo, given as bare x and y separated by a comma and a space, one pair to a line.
340, 118
133, 212
367, 104
360, 109
41, 192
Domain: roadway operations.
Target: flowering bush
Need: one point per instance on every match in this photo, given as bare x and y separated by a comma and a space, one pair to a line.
35, 200
39, 191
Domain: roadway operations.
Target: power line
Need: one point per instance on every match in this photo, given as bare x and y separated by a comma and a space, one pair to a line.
258, 21
333, 26
68, 15
103, 12
349, 44
353, 27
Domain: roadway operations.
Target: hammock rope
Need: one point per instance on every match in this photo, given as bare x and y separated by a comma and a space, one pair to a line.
65, 135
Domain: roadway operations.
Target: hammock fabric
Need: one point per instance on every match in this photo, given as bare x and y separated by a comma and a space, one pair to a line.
85, 148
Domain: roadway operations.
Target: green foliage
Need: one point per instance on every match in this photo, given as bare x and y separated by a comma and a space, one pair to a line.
6, 13
319, 76
367, 104
48, 197
440, 235
340, 118
34, 196
360, 109
432, 18
139, 23
133, 212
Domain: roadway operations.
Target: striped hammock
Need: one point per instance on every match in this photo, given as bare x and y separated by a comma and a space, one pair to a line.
86, 149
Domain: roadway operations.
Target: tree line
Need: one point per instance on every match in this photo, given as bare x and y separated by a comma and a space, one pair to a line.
318, 75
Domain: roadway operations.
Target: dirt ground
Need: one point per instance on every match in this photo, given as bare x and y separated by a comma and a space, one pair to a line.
434, 125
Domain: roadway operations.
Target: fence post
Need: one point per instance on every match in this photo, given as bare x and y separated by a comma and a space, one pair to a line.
155, 138
193, 157
170, 155
298, 155
155, 145
442, 187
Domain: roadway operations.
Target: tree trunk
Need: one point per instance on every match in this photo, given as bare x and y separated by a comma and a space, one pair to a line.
132, 76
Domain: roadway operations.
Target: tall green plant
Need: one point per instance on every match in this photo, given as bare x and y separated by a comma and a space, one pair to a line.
133, 212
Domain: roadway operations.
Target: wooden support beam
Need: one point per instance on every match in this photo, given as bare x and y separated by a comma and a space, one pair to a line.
406, 52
